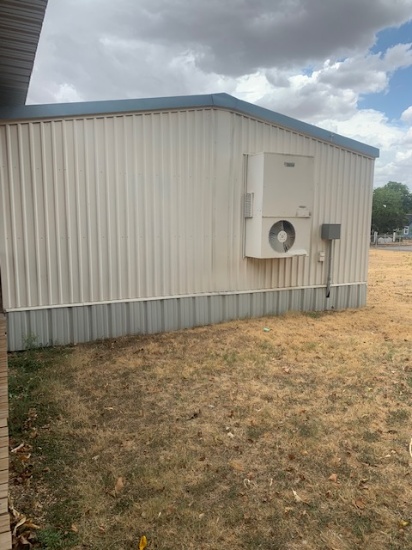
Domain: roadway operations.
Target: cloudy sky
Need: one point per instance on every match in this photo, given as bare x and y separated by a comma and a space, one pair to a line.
344, 65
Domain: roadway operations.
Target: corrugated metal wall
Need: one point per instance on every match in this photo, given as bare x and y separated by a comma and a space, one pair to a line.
68, 325
121, 207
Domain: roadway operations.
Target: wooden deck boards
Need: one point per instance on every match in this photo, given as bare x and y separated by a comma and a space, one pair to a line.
5, 535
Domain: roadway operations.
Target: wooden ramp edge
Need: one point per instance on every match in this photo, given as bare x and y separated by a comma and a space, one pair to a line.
5, 535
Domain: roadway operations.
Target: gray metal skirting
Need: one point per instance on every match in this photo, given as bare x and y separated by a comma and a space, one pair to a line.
85, 323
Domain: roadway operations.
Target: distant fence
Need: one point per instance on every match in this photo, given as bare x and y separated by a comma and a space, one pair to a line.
389, 238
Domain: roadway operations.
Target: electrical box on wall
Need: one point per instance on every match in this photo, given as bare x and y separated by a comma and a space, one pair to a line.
278, 205
330, 231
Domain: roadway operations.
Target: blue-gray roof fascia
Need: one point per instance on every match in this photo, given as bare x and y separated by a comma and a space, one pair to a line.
221, 101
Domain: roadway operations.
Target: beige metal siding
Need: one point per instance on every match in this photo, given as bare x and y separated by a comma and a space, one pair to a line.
125, 207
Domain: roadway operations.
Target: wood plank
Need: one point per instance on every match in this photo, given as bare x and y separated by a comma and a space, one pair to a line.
4, 523
4, 490
5, 541
4, 507
5, 535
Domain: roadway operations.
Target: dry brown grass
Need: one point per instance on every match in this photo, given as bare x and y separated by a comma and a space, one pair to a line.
232, 437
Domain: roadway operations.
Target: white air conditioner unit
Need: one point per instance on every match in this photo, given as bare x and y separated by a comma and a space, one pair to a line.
278, 205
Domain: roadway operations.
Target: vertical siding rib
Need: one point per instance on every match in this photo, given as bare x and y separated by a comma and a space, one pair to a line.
89, 287
69, 230
47, 258
5, 221
99, 235
79, 218
24, 180
60, 264
14, 298
36, 206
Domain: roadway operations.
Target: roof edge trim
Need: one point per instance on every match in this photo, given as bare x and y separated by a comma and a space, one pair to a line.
219, 100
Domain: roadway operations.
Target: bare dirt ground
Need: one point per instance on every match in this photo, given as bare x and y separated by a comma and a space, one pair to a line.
224, 437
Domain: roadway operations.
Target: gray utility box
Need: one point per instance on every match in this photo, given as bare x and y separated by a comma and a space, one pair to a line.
330, 231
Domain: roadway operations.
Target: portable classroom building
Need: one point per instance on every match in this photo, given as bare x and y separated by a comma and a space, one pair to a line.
141, 216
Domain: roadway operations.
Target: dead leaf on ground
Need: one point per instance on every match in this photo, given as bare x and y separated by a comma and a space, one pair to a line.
119, 485
17, 449
236, 465
359, 503
298, 498
142, 543
21, 542
24, 458
30, 525
21, 522
118, 488
334, 478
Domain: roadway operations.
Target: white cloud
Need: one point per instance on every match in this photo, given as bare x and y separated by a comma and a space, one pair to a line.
305, 58
67, 93
407, 115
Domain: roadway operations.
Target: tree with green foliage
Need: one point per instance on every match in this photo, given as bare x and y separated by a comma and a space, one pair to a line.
406, 196
391, 204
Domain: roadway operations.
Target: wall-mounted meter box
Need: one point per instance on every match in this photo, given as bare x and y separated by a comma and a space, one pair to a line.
330, 231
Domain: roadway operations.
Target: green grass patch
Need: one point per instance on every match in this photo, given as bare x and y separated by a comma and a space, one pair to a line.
33, 416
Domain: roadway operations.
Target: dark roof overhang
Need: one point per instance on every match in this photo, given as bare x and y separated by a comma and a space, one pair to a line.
20, 25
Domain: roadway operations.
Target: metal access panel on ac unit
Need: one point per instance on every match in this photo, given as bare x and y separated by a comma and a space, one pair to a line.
278, 205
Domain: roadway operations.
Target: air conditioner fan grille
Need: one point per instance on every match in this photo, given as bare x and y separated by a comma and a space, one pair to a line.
282, 236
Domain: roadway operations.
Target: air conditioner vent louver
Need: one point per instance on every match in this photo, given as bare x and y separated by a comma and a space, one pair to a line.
248, 205
282, 236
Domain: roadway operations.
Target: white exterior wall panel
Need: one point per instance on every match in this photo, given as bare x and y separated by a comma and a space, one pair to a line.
139, 206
